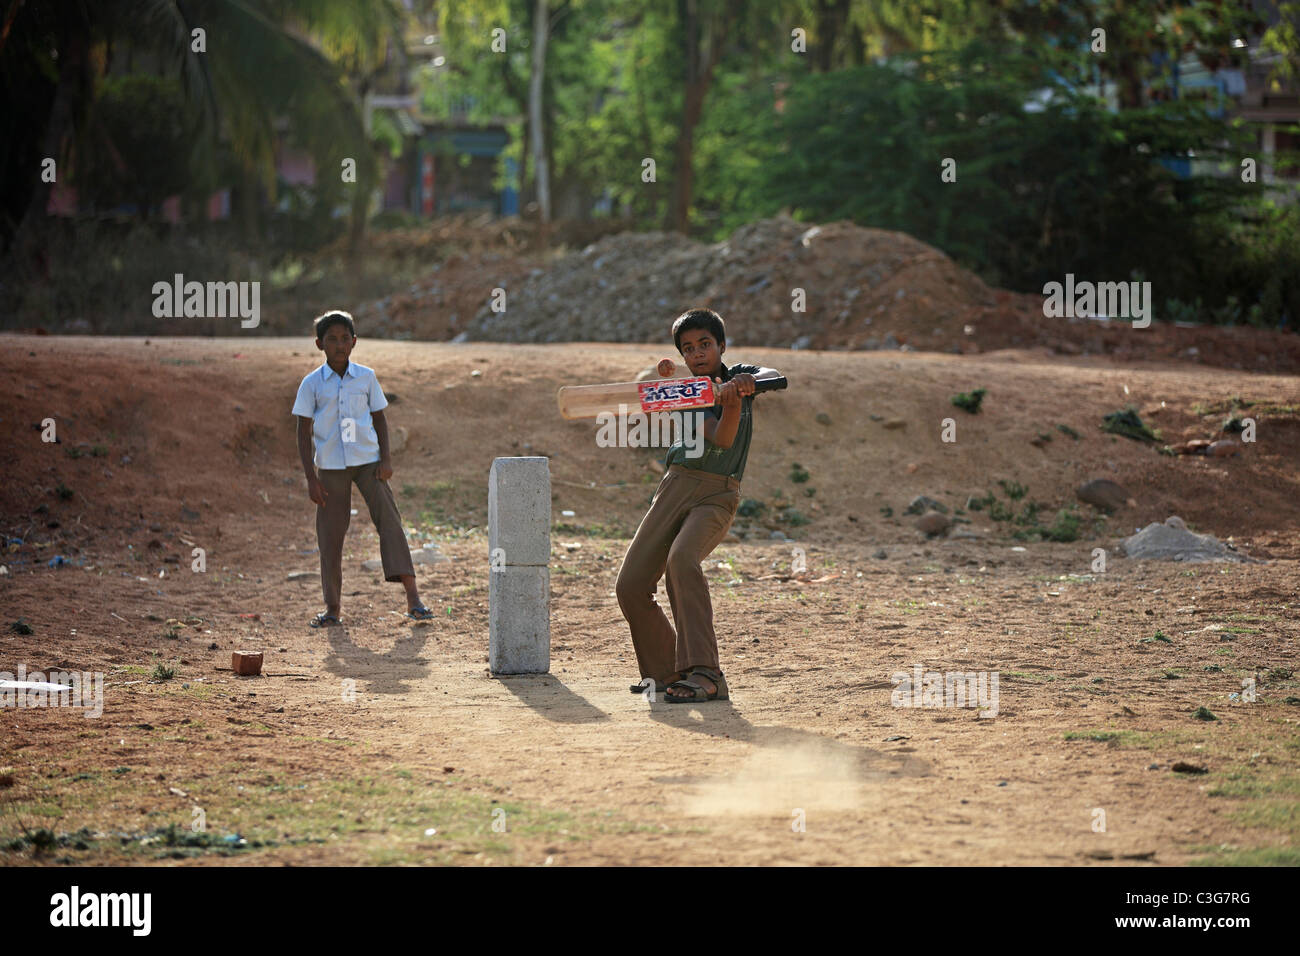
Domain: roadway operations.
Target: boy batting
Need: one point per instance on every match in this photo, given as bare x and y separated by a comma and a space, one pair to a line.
689, 516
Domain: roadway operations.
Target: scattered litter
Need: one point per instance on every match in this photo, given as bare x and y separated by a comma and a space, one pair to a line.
568, 514
32, 685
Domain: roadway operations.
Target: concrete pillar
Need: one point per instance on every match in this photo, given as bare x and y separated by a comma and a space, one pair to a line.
519, 550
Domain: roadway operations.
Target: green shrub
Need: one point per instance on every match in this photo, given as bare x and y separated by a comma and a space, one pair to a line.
1128, 423
970, 401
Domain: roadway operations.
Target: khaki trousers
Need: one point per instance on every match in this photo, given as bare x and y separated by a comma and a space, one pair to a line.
688, 517
332, 526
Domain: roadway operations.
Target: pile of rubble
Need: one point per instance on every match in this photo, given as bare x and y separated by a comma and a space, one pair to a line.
780, 282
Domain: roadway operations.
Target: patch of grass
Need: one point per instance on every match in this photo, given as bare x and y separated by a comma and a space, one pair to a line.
63, 491
1067, 430
1128, 423
1014, 490
798, 474
21, 626
970, 401
161, 672
790, 516
1101, 736
1157, 636
750, 508
1254, 856
1203, 713
1064, 528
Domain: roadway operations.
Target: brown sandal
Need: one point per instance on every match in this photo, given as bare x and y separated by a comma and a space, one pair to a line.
698, 692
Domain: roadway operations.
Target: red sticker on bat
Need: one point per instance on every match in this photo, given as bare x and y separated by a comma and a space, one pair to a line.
677, 393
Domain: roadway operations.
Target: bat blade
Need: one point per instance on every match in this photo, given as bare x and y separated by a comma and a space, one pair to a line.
590, 401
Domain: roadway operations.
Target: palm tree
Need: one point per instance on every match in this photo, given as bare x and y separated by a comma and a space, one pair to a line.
254, 62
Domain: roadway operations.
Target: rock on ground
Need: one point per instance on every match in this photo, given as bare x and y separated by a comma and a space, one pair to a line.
1102, 493
1171, 541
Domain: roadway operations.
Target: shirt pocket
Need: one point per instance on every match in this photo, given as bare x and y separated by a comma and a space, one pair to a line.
354, 405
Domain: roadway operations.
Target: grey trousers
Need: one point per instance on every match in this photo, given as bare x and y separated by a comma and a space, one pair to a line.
332, 526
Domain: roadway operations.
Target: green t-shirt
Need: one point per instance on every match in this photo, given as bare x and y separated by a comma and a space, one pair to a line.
716, 459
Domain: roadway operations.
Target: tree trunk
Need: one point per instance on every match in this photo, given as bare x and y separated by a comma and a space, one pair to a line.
541, 29
699, 77
73, 84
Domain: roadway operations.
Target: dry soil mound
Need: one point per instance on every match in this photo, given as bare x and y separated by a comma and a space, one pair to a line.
858, 288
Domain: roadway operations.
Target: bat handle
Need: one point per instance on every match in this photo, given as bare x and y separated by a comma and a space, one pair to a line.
770, 384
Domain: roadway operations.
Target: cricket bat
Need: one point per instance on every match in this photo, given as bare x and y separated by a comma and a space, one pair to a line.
663, 395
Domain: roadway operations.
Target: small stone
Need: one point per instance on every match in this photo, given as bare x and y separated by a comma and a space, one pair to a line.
778, 536
893, 424
1102, 493
923, 503
822, 418
301, 575
880, 554
933, 523
1224, 449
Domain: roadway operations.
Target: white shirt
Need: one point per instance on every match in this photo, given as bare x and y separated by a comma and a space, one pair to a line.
339, 405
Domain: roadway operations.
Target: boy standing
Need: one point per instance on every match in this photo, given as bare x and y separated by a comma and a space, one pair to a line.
692, 509
340, 409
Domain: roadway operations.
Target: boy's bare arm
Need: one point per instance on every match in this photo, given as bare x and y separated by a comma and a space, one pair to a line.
315, 490
722, 431
304, 447
381, 432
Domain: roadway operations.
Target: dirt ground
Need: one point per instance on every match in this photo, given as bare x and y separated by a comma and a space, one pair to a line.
171, 444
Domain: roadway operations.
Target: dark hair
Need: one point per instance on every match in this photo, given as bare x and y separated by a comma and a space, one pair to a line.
336, 317
704, 319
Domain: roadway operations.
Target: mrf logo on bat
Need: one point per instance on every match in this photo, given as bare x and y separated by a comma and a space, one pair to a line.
681, 393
